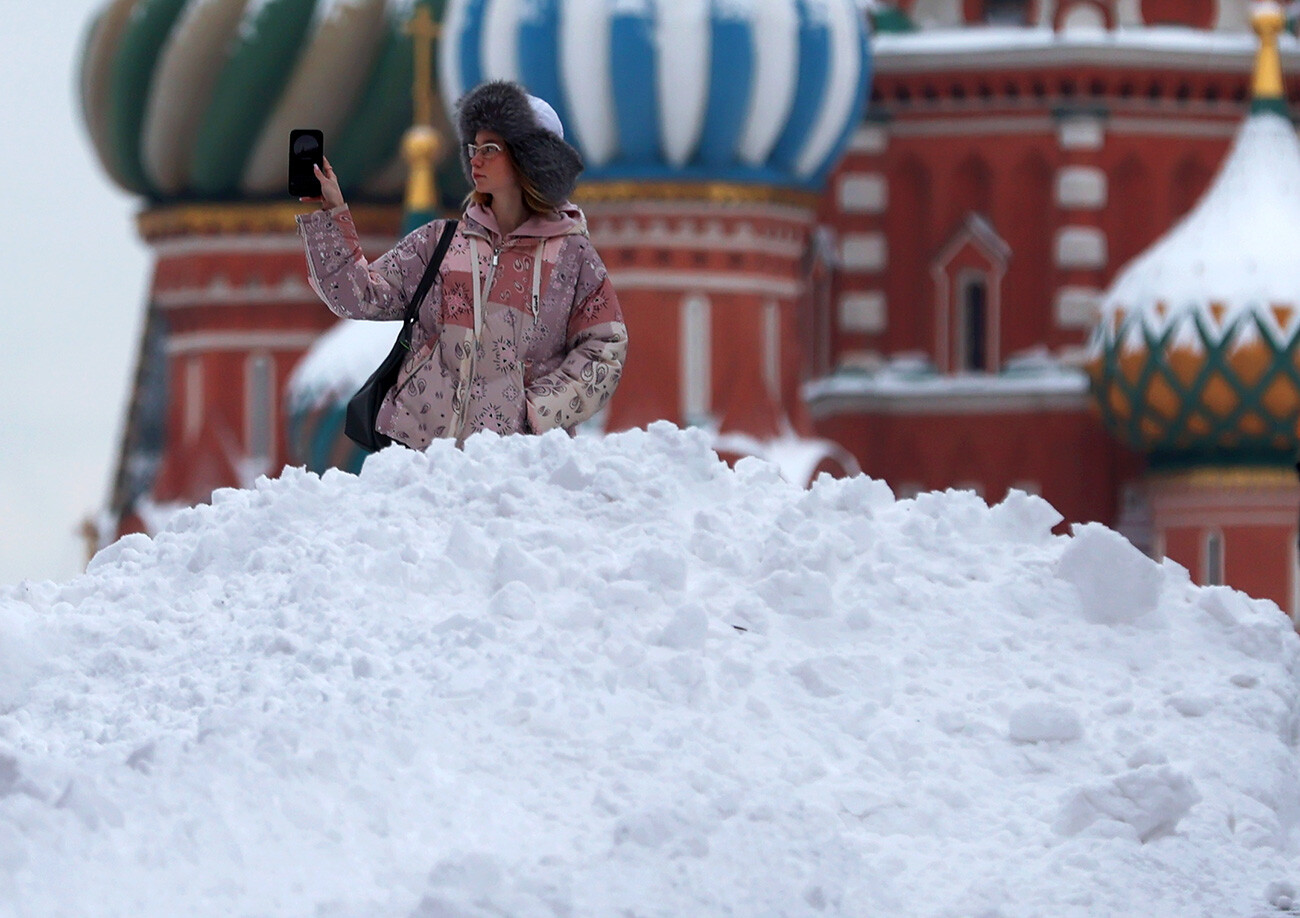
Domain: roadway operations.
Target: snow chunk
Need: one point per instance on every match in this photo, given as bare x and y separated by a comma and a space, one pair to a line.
1149, 801
1042, 721
688, 629
1116, 583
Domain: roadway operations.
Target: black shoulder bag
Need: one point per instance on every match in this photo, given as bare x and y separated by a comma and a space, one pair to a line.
363, 408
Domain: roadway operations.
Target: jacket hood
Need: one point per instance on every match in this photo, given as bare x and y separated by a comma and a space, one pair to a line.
567, 220
549, 163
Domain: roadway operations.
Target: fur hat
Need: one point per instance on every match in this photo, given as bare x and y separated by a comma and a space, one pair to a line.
532, 132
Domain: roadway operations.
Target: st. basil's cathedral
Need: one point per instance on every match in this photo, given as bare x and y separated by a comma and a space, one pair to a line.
1048, 245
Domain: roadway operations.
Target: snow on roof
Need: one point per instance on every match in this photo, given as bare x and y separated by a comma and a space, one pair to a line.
1238, 249
340, 361
888, 47
911, 376
512, 680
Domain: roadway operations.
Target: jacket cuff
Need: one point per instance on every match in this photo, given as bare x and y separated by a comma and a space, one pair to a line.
319, 220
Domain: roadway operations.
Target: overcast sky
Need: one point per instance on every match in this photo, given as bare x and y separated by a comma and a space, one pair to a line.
72, 299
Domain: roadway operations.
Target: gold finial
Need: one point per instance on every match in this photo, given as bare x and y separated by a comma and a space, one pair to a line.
422, 146
424, 31
1269, 21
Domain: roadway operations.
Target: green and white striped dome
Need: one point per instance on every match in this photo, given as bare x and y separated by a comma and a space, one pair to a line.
194, 99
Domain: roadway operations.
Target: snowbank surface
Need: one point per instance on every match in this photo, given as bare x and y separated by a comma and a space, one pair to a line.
512, 681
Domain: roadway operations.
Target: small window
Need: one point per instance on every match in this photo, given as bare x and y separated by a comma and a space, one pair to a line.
974, 325
1214, 559
1006, 12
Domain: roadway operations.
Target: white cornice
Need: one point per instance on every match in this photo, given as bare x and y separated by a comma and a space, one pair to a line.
994, 395
932, 52
221, 294
706, 282
199, 342
177, 246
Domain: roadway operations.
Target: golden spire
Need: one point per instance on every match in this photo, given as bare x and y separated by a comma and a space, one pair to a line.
1267, 89
422, 146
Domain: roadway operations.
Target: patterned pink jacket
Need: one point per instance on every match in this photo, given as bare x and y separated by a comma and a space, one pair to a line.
518, 334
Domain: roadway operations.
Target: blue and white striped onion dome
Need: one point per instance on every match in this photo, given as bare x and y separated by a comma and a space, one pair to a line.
752, 91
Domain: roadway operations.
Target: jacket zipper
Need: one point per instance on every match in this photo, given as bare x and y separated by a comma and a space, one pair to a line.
473, 351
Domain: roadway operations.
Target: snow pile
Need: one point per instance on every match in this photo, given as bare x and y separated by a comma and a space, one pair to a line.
555, 677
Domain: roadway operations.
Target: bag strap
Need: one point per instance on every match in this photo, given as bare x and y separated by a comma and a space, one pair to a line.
430, 273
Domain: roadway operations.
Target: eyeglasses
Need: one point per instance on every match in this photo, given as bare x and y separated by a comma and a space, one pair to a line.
488, 150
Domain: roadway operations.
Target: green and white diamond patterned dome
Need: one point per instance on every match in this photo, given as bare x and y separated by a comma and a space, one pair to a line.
194, 99
1196, 357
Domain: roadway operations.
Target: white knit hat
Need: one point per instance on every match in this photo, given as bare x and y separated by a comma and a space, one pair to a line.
546, 116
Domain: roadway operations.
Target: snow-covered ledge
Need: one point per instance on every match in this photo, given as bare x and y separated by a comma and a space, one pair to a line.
909, 384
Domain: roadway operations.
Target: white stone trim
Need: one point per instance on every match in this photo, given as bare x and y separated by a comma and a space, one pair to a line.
862, 193
823, 405
1081, 188
626, 234
870, 138
1173, 127
192, 421
712, 282
1083, 19
200, 342
867, 252
278, 244
220, 293
1081, 247
1028, 48
1212, 572
696, 345
772, 348
259, 405
795, 215
1081, 133
1077, 307
864, 313
962, 127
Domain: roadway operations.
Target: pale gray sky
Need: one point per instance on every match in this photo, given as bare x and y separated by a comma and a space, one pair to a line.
71, 303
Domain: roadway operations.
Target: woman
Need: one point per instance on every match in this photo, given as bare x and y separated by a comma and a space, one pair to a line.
521, 331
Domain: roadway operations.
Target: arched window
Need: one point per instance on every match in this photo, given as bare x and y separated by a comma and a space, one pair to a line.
696, 360
973, 331
1006, 12
968, 275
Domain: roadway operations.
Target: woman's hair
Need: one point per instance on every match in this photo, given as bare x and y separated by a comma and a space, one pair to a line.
532, 195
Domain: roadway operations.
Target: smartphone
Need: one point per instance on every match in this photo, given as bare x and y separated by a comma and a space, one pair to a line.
306, 149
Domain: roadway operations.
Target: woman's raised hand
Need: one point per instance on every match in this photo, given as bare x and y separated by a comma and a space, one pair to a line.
330, 195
